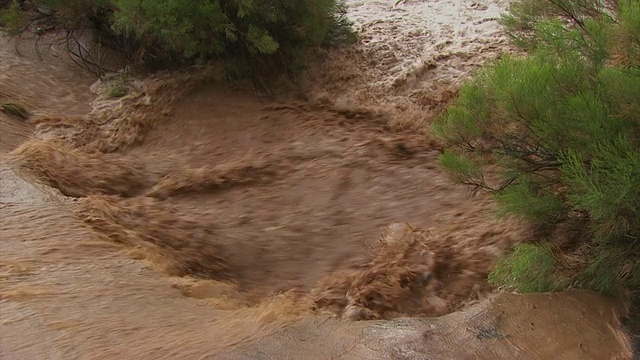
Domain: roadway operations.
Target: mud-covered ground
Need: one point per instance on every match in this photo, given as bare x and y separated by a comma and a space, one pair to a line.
187, 220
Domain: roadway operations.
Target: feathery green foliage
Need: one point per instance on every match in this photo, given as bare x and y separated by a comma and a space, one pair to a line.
563, 125
12, 17
529, 268
264, 36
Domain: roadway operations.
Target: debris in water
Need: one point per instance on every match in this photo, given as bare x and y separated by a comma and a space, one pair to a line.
16, 110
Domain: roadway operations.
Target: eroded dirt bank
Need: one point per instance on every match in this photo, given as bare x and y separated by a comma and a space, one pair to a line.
189, 221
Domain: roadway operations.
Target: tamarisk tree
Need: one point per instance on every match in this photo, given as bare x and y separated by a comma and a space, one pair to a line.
259, 37
558, 130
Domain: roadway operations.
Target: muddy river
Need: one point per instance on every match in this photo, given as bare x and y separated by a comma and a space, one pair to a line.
188, 220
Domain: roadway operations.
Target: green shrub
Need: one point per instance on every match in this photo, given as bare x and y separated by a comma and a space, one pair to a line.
13, 17
205, 28
117, 88
529, 268
563, 126
261, 37
117, 91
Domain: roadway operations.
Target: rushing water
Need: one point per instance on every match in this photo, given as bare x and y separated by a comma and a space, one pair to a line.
189, 221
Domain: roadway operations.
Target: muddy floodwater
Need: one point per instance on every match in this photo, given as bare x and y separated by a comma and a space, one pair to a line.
188, 220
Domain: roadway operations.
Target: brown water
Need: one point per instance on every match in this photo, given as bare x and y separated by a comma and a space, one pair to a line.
190, 221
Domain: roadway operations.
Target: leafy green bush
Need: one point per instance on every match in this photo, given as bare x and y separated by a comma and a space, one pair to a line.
204, 28
529, 268
12, 17
563, 127
266, 36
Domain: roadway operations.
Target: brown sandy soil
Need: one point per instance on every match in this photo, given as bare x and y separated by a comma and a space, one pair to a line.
190, 221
